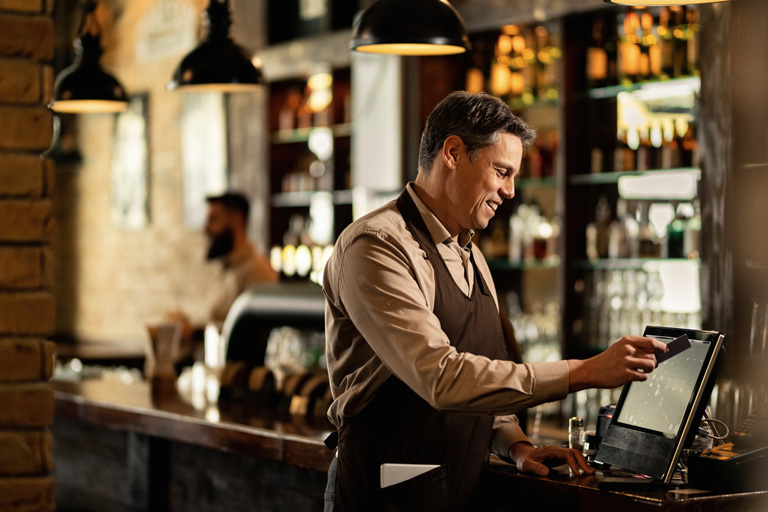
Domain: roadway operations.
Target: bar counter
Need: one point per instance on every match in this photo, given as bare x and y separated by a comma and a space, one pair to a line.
131, 447
135, 447
511, 491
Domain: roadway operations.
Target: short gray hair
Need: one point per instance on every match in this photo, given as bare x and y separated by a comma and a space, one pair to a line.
476, 118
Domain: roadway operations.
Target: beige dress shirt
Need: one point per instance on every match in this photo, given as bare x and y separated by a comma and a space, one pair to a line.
380, 292
242, 269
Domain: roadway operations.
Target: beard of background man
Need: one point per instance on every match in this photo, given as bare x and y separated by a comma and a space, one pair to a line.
221, 244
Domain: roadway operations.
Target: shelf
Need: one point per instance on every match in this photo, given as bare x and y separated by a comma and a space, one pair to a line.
304, 199
302, 134
630, 263
602, 178
530, 183
520, 104
692, 83
500, 264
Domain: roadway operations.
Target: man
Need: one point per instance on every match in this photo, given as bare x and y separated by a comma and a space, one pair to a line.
416, 356
226, 228
242, 266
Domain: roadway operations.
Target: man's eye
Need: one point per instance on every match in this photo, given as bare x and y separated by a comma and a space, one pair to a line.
501, 172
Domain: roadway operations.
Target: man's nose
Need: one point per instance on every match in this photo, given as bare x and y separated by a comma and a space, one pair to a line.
507, 190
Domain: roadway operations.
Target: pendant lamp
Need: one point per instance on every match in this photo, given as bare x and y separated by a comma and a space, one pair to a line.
84, 87
654, 3
410, 27
217, 63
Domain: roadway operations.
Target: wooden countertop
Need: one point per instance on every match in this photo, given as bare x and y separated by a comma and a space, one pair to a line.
165, 413
269, 434
562, 491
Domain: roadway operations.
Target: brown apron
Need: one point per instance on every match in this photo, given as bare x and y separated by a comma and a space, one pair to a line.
400, 427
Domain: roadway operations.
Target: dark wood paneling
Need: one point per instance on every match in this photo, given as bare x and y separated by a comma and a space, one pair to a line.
748, 208
262, 433
104, 470
716, 183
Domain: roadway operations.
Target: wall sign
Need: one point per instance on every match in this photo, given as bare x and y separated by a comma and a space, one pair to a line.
169, 29
203, 152
130, 166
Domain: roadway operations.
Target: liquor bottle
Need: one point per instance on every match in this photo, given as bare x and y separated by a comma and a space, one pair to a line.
693, 41
494, 245
611, 31
623, 238
688, 146
500, 68
648, 244
629, 50
643, 152
680, 56
624, 157
596, 160
656, 138
646, 25
602, 224
676, 233
516, 228
667, 45
546, 145
475, 79
692, 235
523, 45
543, 61
551, 53
654, 47
597, 56
288, 115
531, 214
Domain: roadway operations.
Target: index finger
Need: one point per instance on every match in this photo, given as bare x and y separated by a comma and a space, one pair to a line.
584, 464
649, 344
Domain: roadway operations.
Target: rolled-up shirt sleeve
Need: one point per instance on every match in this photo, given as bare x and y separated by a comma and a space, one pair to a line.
506, 432
381, 295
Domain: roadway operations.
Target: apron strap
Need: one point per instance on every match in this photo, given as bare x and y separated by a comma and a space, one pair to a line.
416, 225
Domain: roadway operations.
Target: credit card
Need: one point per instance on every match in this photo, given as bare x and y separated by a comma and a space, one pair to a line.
675, 346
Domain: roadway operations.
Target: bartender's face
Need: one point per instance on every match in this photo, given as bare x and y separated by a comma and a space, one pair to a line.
479, 187
218, 229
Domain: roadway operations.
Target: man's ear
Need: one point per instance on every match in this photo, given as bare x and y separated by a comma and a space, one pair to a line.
452, 147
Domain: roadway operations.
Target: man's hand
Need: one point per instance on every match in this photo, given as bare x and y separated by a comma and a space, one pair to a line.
530, 459
629, 359
178, 316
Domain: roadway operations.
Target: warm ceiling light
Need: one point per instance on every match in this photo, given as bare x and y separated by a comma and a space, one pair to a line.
217, 63
84, 87
650, 3
410, 27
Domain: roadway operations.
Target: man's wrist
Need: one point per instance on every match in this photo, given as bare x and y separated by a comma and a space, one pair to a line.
578, 376
518, 449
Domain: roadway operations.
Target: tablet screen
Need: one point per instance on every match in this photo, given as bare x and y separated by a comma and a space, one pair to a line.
660, 402
654, 418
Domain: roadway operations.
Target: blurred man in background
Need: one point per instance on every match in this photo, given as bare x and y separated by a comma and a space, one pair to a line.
242, 266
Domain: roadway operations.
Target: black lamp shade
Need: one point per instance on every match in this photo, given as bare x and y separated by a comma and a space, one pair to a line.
83, 88
218, 65
652, 3
410, 27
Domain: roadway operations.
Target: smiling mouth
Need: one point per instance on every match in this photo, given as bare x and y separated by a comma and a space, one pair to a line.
492, 205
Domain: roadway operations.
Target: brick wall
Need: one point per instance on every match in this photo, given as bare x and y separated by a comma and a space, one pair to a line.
112, 282
26, 302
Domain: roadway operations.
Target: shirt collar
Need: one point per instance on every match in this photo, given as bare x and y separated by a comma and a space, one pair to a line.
436, 229
238, 256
